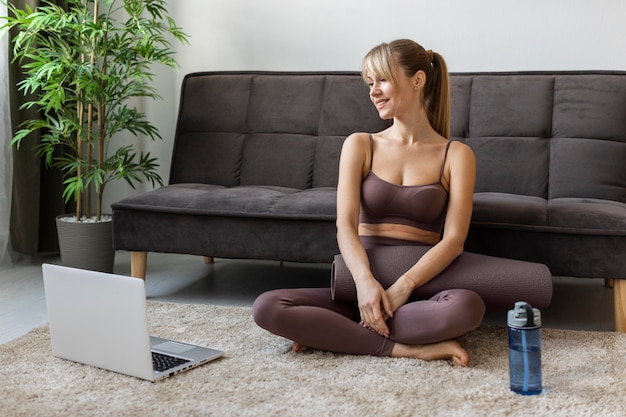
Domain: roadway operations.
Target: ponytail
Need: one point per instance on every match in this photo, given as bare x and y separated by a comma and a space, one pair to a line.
437, 96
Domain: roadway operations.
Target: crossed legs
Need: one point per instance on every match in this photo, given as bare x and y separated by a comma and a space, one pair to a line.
423, 329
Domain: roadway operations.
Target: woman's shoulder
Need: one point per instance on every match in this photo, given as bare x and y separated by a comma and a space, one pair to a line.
365, 139
358, 140
461, 156
359, 137
460, 149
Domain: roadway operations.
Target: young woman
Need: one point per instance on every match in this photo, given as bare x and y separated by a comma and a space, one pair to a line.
396, 187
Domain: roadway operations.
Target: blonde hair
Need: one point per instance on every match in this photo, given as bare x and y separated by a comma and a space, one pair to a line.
411, 57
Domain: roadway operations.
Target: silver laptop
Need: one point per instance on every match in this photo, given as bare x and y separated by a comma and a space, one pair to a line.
100, 319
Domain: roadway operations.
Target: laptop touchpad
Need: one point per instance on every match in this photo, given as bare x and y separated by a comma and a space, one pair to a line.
173, 347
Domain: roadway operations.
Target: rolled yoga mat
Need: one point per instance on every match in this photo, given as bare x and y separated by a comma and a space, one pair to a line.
500, 282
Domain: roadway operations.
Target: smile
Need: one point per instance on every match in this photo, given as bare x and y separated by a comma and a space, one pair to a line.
380, 103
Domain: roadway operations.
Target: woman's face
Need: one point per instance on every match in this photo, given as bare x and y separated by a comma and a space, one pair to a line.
390, 100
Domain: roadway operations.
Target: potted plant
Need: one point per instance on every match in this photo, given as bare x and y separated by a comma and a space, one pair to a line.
86, 65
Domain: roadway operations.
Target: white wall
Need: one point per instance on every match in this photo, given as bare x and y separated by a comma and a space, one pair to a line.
473, 35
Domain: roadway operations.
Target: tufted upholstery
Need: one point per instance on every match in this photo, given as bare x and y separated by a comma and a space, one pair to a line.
255, 162
250, 147
551, 167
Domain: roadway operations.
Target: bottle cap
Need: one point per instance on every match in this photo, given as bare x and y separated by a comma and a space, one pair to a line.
523, 316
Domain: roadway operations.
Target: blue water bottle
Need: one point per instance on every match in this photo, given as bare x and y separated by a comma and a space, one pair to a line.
524, 323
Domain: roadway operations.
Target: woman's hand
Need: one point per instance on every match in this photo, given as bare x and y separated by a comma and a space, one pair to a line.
374, 306
399, 292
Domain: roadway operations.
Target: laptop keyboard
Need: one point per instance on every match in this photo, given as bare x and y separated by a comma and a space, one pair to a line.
161, 362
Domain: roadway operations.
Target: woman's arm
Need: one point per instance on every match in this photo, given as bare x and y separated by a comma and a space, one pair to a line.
461, 170
374, 305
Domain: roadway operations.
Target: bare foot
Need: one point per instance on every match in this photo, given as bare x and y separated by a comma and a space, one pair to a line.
450, 349
297, 347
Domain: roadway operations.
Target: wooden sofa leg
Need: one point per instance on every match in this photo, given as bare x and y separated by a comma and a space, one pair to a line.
208, 260
619, 288
138, 262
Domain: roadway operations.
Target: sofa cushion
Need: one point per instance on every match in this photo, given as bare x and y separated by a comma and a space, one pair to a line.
284, 160
590, 106
316, 204
518, 105
512, 165
199, 113
326, 167
195, 151
506, 210
562, 215
285, 104
244, 201
589, 168
588, 216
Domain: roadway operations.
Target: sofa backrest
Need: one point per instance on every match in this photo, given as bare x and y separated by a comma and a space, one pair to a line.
549, 135
268, 128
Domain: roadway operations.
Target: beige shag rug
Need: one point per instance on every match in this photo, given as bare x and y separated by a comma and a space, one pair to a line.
584, 375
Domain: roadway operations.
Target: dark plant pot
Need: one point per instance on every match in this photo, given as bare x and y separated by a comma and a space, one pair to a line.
86, 245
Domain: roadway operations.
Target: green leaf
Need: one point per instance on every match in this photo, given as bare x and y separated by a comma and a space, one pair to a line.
70, 63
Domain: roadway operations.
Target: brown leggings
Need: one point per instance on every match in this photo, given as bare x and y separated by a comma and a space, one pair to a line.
310, 317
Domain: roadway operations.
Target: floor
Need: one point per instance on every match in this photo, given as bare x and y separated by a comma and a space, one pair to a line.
579, 304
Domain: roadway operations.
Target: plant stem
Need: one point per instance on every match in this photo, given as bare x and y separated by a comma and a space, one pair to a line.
79, 157
101, 119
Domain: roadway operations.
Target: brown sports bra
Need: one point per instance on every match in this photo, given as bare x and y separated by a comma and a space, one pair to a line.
421, 206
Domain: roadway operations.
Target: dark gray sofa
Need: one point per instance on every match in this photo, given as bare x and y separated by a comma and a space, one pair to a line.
255, 162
